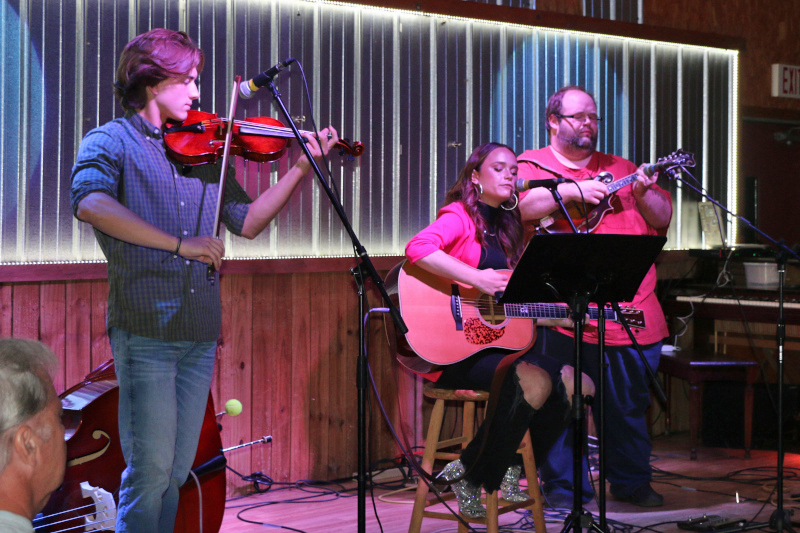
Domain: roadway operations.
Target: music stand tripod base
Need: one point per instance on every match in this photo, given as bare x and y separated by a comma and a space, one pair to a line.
579, 269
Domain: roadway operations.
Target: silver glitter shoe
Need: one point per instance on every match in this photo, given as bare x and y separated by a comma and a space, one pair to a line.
468, 495
510, 485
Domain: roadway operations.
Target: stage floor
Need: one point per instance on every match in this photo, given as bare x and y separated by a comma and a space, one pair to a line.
690, 488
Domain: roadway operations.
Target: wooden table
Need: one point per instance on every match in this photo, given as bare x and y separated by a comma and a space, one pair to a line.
697, 368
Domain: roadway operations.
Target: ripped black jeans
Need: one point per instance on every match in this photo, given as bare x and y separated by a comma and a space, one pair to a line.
513, 416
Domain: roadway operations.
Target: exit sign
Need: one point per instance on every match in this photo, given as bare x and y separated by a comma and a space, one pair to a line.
785, 81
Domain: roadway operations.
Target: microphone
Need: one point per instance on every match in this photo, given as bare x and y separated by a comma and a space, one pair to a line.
550, 183
232, 408
249, 87
649, 170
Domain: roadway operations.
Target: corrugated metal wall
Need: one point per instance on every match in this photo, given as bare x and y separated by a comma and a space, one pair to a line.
419, 91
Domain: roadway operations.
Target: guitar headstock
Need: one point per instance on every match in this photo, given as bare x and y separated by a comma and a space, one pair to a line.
634, 317
678, 158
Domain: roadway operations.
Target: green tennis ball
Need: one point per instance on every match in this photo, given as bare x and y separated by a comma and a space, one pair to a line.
233, 407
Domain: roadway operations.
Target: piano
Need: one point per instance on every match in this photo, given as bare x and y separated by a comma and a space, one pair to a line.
754, 306
741, 324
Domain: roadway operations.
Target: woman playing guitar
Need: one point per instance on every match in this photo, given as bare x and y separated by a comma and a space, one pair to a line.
477, 233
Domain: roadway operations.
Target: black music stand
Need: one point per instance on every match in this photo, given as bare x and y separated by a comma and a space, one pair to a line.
579, 269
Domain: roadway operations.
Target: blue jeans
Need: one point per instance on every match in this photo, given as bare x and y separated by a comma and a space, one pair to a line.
163, 391
627, 397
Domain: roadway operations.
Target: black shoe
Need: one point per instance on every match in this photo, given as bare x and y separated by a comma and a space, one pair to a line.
643, 496
558, 500
562, 500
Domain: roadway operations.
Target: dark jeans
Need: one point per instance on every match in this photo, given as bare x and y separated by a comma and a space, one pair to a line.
627, 397
512, 418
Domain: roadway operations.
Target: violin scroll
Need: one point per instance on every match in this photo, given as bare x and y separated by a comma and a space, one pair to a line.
352, 148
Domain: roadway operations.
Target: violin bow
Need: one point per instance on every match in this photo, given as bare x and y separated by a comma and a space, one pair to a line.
223, 174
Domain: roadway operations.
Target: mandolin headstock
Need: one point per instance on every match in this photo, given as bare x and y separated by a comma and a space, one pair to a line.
677, 159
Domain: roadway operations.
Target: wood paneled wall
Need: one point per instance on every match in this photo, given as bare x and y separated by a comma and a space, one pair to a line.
288, 352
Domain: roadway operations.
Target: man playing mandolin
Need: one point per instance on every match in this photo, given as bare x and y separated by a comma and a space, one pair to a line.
154, 221
640, 209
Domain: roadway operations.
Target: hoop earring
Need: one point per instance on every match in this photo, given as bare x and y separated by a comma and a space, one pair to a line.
480, 189
516, 203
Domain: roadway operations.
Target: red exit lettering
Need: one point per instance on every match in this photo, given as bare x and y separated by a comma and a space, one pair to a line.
791, 80
786, 81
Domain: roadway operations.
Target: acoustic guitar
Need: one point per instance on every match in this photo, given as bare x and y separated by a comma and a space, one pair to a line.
448, 322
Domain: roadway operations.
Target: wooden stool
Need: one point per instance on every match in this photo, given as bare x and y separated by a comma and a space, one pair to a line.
494, 506
697, 368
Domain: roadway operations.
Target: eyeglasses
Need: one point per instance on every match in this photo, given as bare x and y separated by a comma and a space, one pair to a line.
581, 117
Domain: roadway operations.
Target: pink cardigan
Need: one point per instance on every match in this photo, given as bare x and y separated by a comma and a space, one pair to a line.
453, 231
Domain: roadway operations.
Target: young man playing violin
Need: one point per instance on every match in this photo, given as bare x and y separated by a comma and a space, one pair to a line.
154, 224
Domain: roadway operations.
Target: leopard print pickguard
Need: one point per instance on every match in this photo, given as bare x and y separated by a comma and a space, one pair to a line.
476, 332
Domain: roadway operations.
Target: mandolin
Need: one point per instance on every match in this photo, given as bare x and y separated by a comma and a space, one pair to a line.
556, 222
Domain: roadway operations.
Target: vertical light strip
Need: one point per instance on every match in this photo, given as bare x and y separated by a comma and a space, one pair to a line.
80, 38
567, 80
733, 142
315, 98
596, 71
537, 113
679, 141
41, 83
183, 16
274, 43
704, 141
4, 176
612, 8
501, 88
358, 31
230, 52
59, 139
23, 129
434, 107
626, 101
469, 93
397, 148
640, 11
132, 17
653, 101
704, 122
97, 85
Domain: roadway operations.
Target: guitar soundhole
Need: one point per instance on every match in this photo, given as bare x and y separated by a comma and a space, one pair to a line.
492, 313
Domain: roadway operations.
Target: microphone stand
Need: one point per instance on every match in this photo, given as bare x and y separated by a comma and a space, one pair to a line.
779, 520
578, 519
560, 201
364, 268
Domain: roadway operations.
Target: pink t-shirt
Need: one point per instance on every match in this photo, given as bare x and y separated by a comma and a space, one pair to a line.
624, 220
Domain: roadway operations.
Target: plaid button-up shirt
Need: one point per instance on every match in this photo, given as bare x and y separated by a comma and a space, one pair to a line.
152, 292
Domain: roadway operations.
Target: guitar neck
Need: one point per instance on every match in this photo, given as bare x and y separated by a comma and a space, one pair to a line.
624, 182
539, 310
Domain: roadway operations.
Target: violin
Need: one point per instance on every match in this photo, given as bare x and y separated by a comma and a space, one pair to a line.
200, 139
94, 460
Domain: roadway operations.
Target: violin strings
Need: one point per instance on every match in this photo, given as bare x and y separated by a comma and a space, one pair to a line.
277, 131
